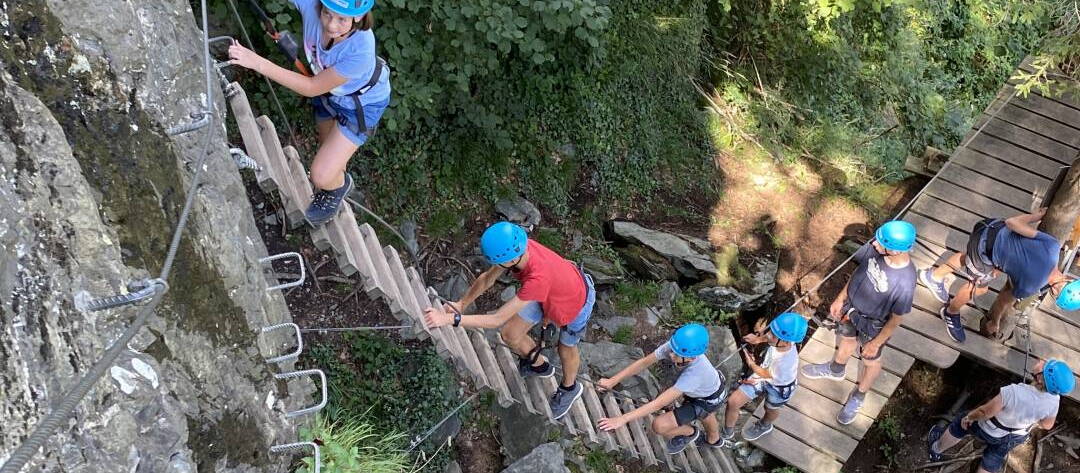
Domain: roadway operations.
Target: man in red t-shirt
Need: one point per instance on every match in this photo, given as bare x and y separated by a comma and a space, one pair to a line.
553, 290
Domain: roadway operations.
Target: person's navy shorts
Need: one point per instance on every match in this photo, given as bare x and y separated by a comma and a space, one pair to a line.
847, 329
993, 458
693, 409
346, 118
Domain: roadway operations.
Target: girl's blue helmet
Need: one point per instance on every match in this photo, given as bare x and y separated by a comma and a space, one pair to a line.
1069, 299
896, 235
352, 8
789, 327
1058, 377
690, 340
502, 242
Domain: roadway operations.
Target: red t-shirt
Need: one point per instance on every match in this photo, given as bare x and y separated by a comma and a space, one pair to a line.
552, 281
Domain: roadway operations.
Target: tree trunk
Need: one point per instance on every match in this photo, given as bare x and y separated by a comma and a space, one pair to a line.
1061, 217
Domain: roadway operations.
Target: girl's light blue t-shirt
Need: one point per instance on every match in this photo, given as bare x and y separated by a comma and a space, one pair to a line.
353, 58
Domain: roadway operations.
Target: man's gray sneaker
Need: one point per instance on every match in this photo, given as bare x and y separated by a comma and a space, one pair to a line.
526, 370
563, 399
937, 288
703, 440
822, 370
851, 407
727, 433
680, 442
754, 430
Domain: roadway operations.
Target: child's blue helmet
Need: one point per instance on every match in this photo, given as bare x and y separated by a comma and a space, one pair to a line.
1058, 377
789, 327
1069, 299
690, 340
896, 235
349, 7
502, 242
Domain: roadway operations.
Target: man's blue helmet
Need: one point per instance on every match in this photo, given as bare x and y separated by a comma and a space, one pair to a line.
896, 235
352, 8
1058, 377
789, 327
690, 340
502, 242
1069, 299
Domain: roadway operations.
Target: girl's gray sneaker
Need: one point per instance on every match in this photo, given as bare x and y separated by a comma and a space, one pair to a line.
822, 370
325, 204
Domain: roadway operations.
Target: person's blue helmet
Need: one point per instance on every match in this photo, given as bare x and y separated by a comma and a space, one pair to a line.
789, 327
1069, 299
896, 235
502, 242
690, 340
352, 8
1058, 377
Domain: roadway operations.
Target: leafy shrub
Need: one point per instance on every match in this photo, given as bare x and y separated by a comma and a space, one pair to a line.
624, 334
688, 308
352, 445
630, 295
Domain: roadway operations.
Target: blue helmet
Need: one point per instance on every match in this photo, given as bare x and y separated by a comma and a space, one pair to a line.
789, 327
690, 340
896, 235
1069, 299
502, 242
1058, 377
352, 8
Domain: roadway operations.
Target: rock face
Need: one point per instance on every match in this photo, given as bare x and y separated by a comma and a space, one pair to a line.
519, 431
90, 190
547, 458
606, 359
663, 256
520, 211
759, 290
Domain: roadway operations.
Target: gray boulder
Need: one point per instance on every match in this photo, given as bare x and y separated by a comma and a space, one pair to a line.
604, 359
454, 286
547, 458
604, 273
722, 344
758, 290
688, 257
611, 325
520, 211
520, 431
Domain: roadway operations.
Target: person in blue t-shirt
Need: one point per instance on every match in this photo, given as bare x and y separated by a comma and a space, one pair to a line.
350, 88
869, 308
1013, 246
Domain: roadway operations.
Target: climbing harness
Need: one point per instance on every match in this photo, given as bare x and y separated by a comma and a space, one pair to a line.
361, 123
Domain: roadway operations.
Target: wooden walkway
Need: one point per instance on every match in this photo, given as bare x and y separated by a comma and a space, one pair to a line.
487, 364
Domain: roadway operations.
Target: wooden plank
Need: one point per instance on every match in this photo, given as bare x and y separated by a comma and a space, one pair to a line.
386, 286
656, 443
680, 460
941, 235
290, 196
817, 352
953, 216
1036, 123
447, 339
491, 368
566, 420
319, 236
582, 420
893, 360
622, 434
697, 464
1016, 155
796, 453
833, 442
968, 200
915, 344
825, 410
539, 397
712, 463
407, 304
1026, 139
249, 133
358, 249
472, 360
1049, 108
1003, 171
1016, 199
596, 411
637, 432
514, 381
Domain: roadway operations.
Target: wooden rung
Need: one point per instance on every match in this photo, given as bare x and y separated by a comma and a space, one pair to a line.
358, 250
566, 420
508, 364
637, 431
596, 411
383, 281
622, 434
491, 368
708, 454
694, 458
682, 463
472, 361
290, 196
539, 397
448, 339
409, 310
656, 444
320, 237
249, 132
581, 417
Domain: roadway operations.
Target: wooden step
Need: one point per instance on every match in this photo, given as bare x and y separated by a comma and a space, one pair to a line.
892, 360
383, 282
472, 360
290, 196
824, 410
796, 453
622, 434
320, 237
445, 338
833, 442
596, 412
491, 368
657, 443
358, 250
697, 464
520, 392
815, 352
637, 432
582, 419
708, 454
249, 132
410, 311
539, 397
681, 462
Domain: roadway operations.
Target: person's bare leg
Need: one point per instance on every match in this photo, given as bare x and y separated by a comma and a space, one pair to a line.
712, 428
868, 373
948, 266
734, 403
324, 127
845, 346
666, 425
998, 311
515, 332
962, 297
328, 167
770, 415
946, 441
571, 362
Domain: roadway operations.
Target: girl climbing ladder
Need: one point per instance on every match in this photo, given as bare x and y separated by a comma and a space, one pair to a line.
350, 88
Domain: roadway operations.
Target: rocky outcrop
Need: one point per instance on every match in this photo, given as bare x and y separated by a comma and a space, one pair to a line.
90, 190
547, 458
758, 289
520, 211
663, 256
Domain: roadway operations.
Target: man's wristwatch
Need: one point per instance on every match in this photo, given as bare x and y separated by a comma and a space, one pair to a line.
457, 319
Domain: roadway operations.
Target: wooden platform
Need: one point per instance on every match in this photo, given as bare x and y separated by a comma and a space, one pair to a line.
489, 365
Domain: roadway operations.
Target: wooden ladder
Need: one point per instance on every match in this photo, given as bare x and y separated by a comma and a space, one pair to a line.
489, 365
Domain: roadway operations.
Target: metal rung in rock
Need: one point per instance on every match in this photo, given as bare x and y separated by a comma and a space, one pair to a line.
287, 285
243, 161
285, 447
297, 374
139, 291
299, 342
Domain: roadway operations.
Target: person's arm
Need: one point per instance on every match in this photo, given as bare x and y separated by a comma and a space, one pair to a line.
836, 310
313, 86
667, 397
872, 347
756, 368
1047, 423
983, 412
437, 317
480, 286
1024, 224
632, 370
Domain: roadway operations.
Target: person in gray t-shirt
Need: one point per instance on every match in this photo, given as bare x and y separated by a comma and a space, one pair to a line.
699, 385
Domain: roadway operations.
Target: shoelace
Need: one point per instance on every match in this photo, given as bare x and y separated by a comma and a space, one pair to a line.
322, 200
